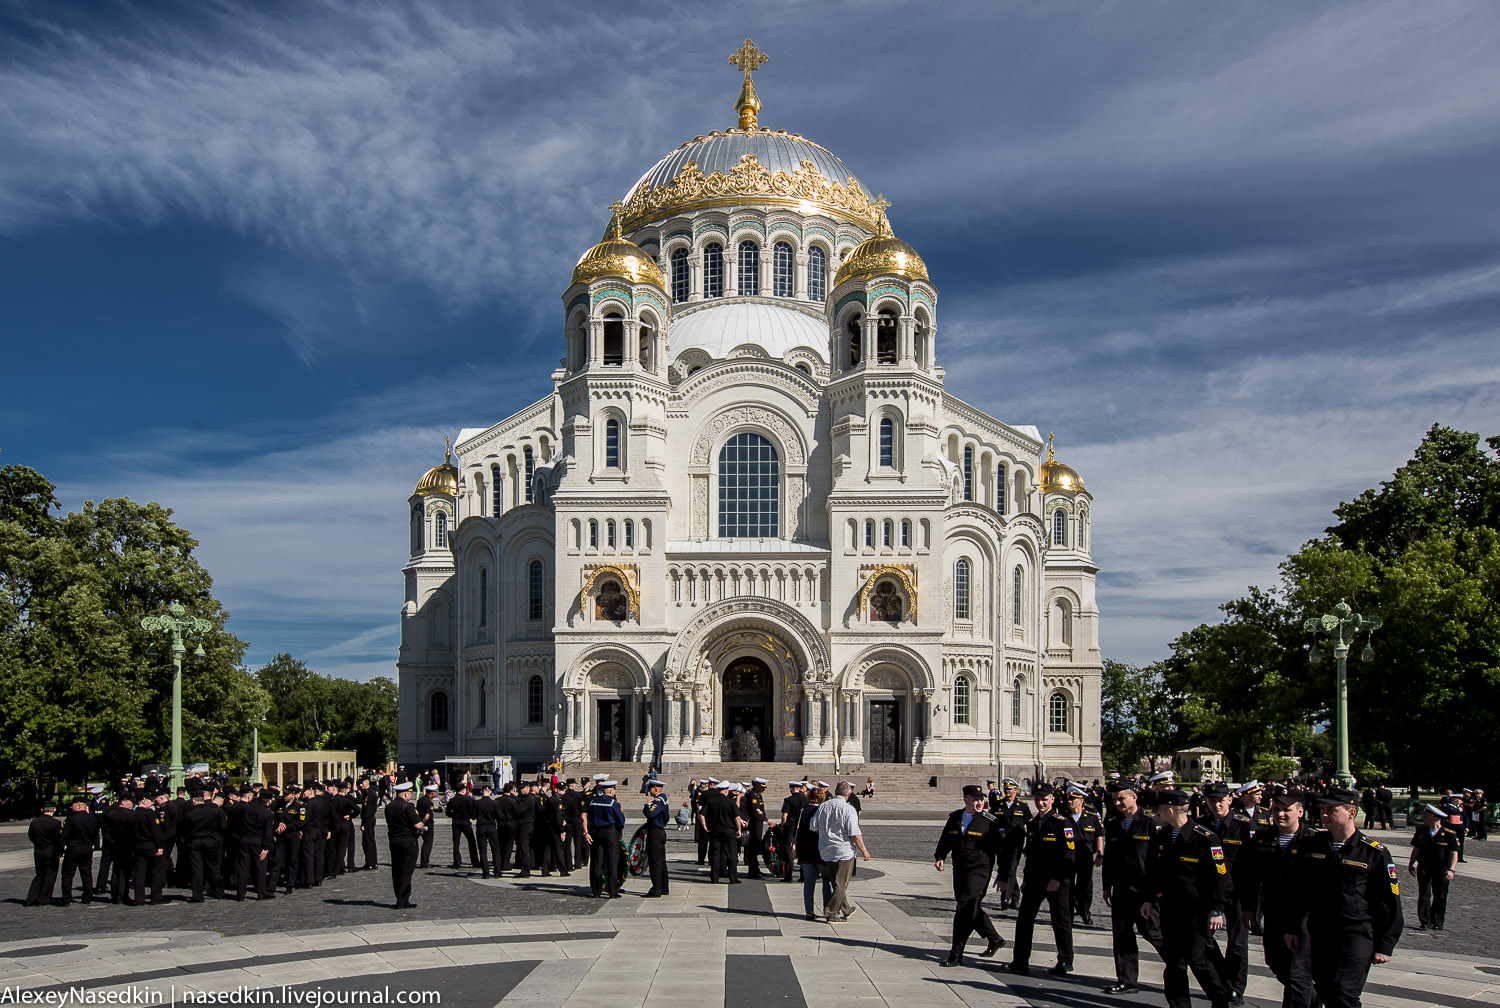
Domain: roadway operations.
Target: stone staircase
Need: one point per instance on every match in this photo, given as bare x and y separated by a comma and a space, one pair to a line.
895, 783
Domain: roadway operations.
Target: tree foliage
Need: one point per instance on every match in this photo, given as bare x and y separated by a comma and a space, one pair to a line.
1136, 719
310, 711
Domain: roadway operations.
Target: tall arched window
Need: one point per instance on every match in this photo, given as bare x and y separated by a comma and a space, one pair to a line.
593, 533
534, 698
749, 488
1057, 712
749, 275
530, 458
887, 442
905, 533
680, 275
885, 337
968, 472
437, 712
614, 340
1000, 490
961, 589
1015, 702
1059, 527
961, 700
869, 533
1017, 583
817, 274
713, 270
629, 534
497, 500
781, 270
440, 530
484, 596
535, 581
609, 533
611, 443
483, 702
856, 340
888, 534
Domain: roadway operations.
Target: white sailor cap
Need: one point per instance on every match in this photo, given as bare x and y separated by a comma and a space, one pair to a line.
1247, 787
609, 783
601, 776
723, 785
1436, 811
97, 789
1165, 775
796, 783
430, 787
760, 780
1011, 782
737, 788
1074, 791
654, 783
404, 787
823, 785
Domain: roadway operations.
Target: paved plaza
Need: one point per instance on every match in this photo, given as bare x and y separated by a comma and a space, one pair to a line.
542, 942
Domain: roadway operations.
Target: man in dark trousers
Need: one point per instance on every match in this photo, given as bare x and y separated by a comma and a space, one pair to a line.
339, 815
1127, 835
349, 804
80, 835
1051, 851
45, 834
1272, 862
1013, 814
551, 835
404, 829
1434, 858
291, 820
505, 821
1350, 899
1233, 832
145, 848
972, 838
577, 848
1189, 894
317, 826
426, 815
487, 826
658, 812
720, 819
528, 807
603, 824
754, 806
369, 808
202, 828
254, 837
791, 813
1090, 834
460, 809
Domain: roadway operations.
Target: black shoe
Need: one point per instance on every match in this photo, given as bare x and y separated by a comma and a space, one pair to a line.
1121, 988
1017, 969
1059, 970
995, 945
954, 959
1421, 927
651, 895
1437, 927
1088, 921
1235, 999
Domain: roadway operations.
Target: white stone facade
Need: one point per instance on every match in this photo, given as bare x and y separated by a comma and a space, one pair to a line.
752, 511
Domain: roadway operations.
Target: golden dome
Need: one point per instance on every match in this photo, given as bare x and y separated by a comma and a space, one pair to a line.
441, 479
617, 256
1058, 478
882, 254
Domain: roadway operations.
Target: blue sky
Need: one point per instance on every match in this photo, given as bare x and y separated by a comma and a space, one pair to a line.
257, 259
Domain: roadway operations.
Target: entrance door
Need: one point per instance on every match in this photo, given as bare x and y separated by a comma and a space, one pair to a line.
748, 734
885, 731
612, 728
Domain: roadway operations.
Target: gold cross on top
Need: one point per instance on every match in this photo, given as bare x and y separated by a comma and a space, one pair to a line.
748, 58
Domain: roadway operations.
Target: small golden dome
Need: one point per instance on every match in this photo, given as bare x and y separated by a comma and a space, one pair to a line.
882, 254
1059, 478
617, 256
441, 479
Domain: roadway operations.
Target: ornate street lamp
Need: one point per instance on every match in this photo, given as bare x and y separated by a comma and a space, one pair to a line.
1343, 625
178, 624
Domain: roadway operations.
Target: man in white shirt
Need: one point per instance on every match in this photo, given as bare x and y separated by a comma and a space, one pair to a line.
837, 825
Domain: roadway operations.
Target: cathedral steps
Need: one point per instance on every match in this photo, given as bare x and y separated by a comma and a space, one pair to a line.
893, 781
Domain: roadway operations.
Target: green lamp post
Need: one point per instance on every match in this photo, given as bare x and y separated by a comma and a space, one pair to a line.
179, 625
1343, 626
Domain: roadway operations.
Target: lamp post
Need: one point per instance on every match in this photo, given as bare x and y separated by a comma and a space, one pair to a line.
178, 624
1343, 625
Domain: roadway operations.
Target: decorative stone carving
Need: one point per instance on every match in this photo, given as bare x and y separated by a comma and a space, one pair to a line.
750, 416
786, 621
885, 678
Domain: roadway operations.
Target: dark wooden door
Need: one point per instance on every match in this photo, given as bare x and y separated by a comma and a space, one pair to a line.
885, 731
613, 728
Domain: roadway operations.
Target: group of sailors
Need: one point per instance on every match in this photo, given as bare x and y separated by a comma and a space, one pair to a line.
1323, 895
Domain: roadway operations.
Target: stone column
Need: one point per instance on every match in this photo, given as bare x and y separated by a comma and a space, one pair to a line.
632, 343
596, 343
799, 276
906, 341
766, 270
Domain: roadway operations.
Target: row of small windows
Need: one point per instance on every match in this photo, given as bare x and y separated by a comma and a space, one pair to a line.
890, 534
437, 705
783, 283
612, 535
1060, 528
497, 484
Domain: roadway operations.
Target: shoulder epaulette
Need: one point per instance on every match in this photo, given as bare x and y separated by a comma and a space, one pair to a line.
1203, 830
988, 816
1374, 843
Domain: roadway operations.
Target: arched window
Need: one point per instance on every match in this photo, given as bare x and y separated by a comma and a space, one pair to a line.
968, 472
530, 458
749, 488
593, 533
1000, 490
1017, 584
629, 534
614, 340
646, 353
749, 275
961, 589
1057, 712
817, 274
534, 698
885, 337
497, 500
437, 712
680, 275
609, 533
1062, 623
906, 533
484, 595
856, 336
1015, 702
713, 270
416, 530
961, 700
483, 702
887, 442
440, 530
781, 270
611, 443
1059, 527
535, 582
888, 534
869, 533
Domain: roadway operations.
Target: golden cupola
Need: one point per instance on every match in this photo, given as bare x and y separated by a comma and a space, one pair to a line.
618, 257
441, 479
1059, 478
882, 255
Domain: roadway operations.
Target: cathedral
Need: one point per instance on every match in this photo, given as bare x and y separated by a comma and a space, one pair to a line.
749, 522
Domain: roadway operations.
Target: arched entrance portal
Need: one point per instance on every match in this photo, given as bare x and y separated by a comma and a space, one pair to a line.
747, 707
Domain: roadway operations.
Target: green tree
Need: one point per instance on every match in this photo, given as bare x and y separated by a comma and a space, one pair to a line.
1136, 719
310, 711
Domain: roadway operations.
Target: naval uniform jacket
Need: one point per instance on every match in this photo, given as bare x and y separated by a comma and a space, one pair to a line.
1271, 875
1189, 872
1125, 854
401, 823
1352, 889
1434, 851
972, 850
1235, 832
1013, 817
1052, 849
